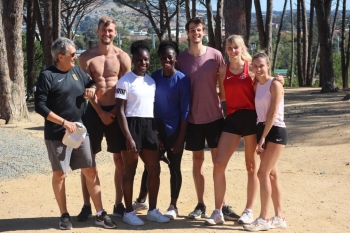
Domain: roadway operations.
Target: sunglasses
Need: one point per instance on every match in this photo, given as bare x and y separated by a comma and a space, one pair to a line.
73, 54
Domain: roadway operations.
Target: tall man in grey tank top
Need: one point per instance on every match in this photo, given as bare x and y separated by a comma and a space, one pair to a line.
105, 63
200, 64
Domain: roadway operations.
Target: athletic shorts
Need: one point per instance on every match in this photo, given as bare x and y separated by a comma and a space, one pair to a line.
276, 135
241, 122
97, 129
197, 134
144, 133
62, 156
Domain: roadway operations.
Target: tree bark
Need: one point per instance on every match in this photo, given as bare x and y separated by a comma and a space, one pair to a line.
235, 18
309, 77
218, 21
47, 39
299, 47
187, 9
194, 12
30, 46
292, 52
305, 41
323, 10
210, 28
12, 99
279, 36
56, 19
260, 24
268, 28
344, 50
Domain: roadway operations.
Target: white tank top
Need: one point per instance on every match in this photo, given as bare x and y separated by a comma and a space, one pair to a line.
262, 104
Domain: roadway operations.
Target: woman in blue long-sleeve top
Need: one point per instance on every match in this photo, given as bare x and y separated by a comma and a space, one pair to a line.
171, 110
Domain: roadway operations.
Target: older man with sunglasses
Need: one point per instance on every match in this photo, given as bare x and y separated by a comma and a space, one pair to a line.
59, 98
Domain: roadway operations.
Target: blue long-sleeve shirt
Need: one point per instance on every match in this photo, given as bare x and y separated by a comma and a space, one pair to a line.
172, 99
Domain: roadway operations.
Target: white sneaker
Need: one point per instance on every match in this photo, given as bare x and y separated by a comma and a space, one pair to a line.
156, 216
276, 222
258, 225
137, 206
171, 213
216, 218
246, 217
131, 219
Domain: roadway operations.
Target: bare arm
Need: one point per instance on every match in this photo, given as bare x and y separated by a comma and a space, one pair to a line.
277, 93
221, 78
130, 143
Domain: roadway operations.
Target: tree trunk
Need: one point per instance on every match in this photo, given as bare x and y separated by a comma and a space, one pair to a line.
177, 20
344, 50
305, 41
218, 27
30, 46
279, 36
210, 27
12, 95
260, 24
194, 12
47, 39
299, 47
248, 18
56, 19
292, 52
323, 9
309, 77
187, 9
235, 18
315, 63
268, 28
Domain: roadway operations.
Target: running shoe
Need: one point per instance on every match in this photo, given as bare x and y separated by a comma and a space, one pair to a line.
156, 216
258, 225
246, 217
65, 223
215, 218
105, 221
198, 212
229, 214
137, 206
131, 219
119, 210
84, 214
171, 212
276, 222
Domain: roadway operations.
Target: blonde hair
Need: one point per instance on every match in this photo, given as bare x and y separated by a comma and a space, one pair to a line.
105, 21
262, 54
238, 40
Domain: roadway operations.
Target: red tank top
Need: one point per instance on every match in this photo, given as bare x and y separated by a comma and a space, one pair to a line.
239, 90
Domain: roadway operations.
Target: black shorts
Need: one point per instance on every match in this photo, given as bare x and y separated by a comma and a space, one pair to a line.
241, 122
276, 135
144, 133
97, 129
198, 133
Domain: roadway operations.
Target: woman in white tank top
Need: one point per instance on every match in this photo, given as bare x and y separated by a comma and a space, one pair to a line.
272, 138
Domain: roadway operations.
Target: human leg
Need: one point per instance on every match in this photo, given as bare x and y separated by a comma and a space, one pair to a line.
141, 202
58, 186
268, 162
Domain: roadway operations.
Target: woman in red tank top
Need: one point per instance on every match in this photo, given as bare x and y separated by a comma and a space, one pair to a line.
240, 121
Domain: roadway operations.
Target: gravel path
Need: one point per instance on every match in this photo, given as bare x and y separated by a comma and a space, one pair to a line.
21, 154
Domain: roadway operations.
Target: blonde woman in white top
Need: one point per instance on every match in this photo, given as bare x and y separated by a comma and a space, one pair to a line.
272, 138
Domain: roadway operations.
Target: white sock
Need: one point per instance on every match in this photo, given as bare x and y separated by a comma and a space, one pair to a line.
99, 213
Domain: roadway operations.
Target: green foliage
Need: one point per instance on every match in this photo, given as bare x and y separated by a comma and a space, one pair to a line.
38, 59
79, 42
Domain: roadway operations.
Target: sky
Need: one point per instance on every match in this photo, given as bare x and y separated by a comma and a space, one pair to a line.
277, 5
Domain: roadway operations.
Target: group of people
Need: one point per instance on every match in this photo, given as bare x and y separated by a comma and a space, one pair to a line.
147, 116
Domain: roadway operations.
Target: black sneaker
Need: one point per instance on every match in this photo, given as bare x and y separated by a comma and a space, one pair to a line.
199, 212
229, 214
119, 210
65, 223
85, 213
105, 221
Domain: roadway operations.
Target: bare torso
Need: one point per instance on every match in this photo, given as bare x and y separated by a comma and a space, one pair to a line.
105, 70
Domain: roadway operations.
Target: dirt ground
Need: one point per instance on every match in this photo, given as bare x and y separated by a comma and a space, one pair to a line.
314, 169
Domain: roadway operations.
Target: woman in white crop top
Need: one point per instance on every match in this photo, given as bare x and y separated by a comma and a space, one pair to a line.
272, 138
135, 93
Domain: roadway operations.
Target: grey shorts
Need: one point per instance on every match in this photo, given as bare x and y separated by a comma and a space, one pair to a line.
61, 156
